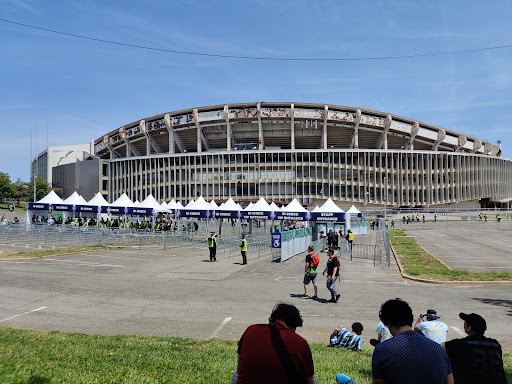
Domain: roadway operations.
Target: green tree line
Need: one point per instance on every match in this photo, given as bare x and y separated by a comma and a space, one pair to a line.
21, 190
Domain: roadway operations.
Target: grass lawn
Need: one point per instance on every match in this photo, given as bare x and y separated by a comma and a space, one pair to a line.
4, 208
419, 263
28, 356
53, 252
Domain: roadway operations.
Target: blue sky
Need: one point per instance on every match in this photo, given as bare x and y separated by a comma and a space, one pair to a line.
85, 89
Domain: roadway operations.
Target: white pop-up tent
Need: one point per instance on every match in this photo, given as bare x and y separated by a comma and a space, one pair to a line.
293, 211
261, 210
354, 212
150, 203
51, 198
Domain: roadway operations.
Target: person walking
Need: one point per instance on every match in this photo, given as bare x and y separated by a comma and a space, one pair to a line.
333, 272
310, 271
243, 249
212, 246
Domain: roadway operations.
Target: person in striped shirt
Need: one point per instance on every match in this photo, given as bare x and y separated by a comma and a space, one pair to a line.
341, 337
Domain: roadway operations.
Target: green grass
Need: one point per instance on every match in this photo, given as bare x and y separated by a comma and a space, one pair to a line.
4, 208
28, 356
53, 252
419, 263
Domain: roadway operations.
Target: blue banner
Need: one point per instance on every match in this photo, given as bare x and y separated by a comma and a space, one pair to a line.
297, 216
329, 217
276, 240
193, 213
227, 214
114, 210
139, 211
87, 208
38, 206
63, 207
258, 215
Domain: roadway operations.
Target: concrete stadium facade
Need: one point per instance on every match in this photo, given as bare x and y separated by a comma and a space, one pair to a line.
308, 151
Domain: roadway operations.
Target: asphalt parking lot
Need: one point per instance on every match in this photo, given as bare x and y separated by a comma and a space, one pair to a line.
179, 292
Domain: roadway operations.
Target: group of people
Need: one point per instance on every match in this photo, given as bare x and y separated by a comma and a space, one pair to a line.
410, 219
332, 269
212, 247
404, 353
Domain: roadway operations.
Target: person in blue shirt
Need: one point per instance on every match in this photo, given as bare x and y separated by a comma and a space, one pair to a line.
407, 357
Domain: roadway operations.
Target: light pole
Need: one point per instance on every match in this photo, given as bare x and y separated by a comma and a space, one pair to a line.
385, 194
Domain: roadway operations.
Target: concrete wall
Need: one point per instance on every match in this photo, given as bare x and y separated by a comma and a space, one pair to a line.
81, 176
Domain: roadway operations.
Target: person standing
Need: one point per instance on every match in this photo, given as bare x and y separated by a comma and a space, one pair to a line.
433, 329
476, 358
212, 246
350, 238
407, 357
243, 249
310, 271
333, 272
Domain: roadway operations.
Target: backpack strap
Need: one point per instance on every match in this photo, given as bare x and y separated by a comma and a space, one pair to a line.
278, 343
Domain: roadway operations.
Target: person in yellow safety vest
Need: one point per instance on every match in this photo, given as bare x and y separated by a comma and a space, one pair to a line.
73, 224
350, 238
243, 249
212, 246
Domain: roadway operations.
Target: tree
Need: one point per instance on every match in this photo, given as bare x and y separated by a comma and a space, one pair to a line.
22, 191
42, 189
7, 189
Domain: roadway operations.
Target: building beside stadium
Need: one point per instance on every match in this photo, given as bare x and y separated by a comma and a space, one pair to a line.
300, 150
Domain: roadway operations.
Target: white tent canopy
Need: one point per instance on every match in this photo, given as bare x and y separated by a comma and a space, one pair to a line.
179, 205
230, 205
98, 201
294, 206
353, 209
123, 201
274, 207
261, 205
214, 205
329, 207
199, 205
51, 198
173, 205
75, 199
150, 202
315, 209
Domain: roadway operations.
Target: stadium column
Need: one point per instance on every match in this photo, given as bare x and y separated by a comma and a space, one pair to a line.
168, 125
441, 134
292, 126
326, 113
414, 131
261, 143
198, 127
355, 138
228, 128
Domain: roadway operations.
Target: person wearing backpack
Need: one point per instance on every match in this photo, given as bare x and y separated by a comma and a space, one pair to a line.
333, 272
310, 271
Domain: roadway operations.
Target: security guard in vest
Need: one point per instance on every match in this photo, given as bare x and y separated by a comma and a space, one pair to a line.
243, 249
212, 246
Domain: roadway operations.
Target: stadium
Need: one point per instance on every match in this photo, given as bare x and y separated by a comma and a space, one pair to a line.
301, 150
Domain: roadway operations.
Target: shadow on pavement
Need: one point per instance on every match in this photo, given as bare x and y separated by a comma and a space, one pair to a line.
507, 304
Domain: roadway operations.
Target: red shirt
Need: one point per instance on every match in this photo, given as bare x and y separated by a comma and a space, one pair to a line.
259, 362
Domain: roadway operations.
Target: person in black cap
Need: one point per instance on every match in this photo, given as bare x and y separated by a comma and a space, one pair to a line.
212, 246
476, 358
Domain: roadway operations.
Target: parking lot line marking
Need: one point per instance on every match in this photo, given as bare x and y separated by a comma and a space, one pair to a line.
87, 263
24, 313
120, 257
458, 331
214, 334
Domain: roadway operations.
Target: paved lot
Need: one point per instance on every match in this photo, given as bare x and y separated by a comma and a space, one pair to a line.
476, 246
179, 292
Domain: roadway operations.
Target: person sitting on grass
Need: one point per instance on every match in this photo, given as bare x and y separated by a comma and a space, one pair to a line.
341, 337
